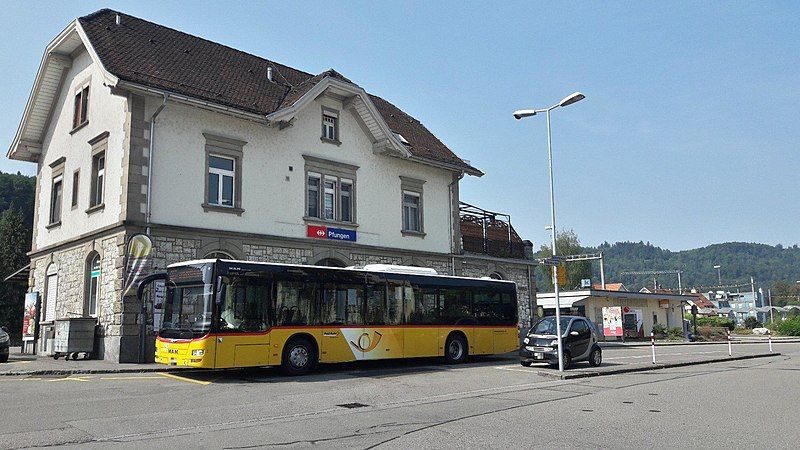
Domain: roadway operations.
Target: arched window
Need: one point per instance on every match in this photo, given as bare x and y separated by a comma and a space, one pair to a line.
218, 254
92, 284
330, 262
50, 292
496, 276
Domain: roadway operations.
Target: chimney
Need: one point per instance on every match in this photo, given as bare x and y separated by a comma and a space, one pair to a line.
269, 73
119, 19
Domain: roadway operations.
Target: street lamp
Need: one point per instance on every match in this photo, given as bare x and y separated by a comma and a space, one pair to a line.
719, 274
520, 114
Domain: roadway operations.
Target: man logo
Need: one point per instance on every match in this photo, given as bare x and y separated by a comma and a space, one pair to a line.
365, 344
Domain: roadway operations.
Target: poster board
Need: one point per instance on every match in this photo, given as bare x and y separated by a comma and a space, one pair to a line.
30, 316
612, 321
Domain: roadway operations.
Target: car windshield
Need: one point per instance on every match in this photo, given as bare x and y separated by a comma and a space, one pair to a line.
187, 305
548, 326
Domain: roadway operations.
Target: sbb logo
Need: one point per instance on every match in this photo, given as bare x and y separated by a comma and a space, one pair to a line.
317, 232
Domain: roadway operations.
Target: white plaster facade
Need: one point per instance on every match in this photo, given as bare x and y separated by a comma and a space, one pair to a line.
273, 195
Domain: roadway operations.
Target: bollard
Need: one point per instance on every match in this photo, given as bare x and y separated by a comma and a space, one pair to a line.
653, 345
730, 351
769, 339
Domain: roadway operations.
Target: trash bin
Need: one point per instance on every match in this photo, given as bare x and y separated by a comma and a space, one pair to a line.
73, 337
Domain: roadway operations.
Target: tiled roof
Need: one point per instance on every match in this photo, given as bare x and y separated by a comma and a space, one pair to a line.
610, 287
156, 56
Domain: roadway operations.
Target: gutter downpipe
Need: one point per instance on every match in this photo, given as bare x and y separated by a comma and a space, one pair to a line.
150, 160
452, 233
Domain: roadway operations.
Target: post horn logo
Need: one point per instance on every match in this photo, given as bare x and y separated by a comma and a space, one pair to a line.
365, 344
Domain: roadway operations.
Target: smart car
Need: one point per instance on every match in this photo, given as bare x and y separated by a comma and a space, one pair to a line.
5, 341
579, 339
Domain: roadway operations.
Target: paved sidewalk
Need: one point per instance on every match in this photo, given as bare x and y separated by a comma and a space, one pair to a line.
735, 339
20, 364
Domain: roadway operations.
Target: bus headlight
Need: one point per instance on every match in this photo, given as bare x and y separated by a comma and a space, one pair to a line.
198, 352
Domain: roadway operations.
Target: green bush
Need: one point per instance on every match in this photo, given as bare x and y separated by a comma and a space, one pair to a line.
789, 327
716, 322
708, 333
659, 330
675, 333
751, 322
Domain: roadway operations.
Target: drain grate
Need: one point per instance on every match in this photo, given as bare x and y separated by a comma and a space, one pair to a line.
352, 405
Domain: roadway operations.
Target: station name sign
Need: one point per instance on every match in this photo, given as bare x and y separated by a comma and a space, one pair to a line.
330, 233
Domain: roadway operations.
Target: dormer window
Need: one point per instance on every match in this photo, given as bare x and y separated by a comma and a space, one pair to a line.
80, 113
330, 125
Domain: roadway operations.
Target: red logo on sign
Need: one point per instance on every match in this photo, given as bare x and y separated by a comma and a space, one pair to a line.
626, 309
317, 232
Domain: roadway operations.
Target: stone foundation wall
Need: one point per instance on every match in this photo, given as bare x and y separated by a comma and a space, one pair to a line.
72, 288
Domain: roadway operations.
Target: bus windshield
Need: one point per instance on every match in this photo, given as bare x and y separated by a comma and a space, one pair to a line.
187, 306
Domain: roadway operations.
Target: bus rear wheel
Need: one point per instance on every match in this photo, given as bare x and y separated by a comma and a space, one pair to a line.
455, 349
299, 356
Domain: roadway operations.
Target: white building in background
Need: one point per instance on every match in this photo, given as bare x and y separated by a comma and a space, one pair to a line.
136, 127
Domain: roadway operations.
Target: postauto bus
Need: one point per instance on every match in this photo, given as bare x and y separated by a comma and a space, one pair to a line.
224, 314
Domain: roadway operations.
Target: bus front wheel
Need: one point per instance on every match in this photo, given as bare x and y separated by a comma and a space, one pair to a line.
455, 349
299, 356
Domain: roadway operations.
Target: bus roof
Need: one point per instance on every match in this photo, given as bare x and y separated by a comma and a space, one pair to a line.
206, 261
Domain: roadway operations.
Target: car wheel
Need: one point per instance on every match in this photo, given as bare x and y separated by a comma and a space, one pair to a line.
596, 357
299, 357
526, 363
455, 349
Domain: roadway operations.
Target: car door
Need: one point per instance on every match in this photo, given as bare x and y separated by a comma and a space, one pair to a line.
579, 344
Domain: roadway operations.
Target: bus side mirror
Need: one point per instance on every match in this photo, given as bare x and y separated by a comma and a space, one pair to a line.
146, 281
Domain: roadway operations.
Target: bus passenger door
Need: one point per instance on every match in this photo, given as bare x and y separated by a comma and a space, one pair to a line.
340, 311
242, 339
380, 339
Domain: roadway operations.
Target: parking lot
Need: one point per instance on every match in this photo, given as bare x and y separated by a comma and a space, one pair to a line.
394, 404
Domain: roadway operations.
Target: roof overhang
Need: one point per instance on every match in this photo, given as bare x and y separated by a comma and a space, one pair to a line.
56, 61
356, 99
570, 298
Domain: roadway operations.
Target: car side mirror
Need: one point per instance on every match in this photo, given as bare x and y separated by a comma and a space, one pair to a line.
573, 333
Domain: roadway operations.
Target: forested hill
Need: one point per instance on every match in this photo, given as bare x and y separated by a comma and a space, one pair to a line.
738, 260
17, 192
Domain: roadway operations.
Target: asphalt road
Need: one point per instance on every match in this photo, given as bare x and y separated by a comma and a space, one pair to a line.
415, 404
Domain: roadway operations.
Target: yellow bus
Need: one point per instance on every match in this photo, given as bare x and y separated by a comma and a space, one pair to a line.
225, 314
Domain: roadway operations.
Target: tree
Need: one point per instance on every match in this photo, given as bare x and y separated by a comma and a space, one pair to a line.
567, 243
14, 244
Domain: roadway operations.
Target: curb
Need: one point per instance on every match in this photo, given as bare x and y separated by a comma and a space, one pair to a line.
18, 373
575, 375
668, 344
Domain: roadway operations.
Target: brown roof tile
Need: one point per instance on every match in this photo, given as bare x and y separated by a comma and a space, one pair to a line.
156, 56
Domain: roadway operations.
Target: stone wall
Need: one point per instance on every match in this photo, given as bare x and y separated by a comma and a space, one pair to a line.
72, 288
286, 255
169, 250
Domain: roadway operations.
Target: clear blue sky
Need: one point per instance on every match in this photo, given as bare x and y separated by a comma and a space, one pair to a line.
690, 133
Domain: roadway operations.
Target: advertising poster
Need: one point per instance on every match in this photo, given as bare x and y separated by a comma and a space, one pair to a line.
612, 321
159, 292
30, 316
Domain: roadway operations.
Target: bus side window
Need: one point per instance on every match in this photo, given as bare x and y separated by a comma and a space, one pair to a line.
424, 309
293, 302
377, 314
455, 306
394, 301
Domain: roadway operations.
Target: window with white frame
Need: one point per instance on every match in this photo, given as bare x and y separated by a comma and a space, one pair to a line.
412, 206
330, 190
56, 197
93, 285
221, 179
98, 178
329, 199
50, 293
330, 124
223, 176
411, 211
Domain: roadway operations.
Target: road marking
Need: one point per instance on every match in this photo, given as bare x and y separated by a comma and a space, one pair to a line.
188, 380
72, 378
516, 369
132, 378
18, 362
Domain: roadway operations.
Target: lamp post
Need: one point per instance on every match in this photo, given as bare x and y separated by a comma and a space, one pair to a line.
719, 274
520, 114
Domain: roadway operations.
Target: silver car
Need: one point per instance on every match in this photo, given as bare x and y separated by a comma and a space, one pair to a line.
5, 342
579, 339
